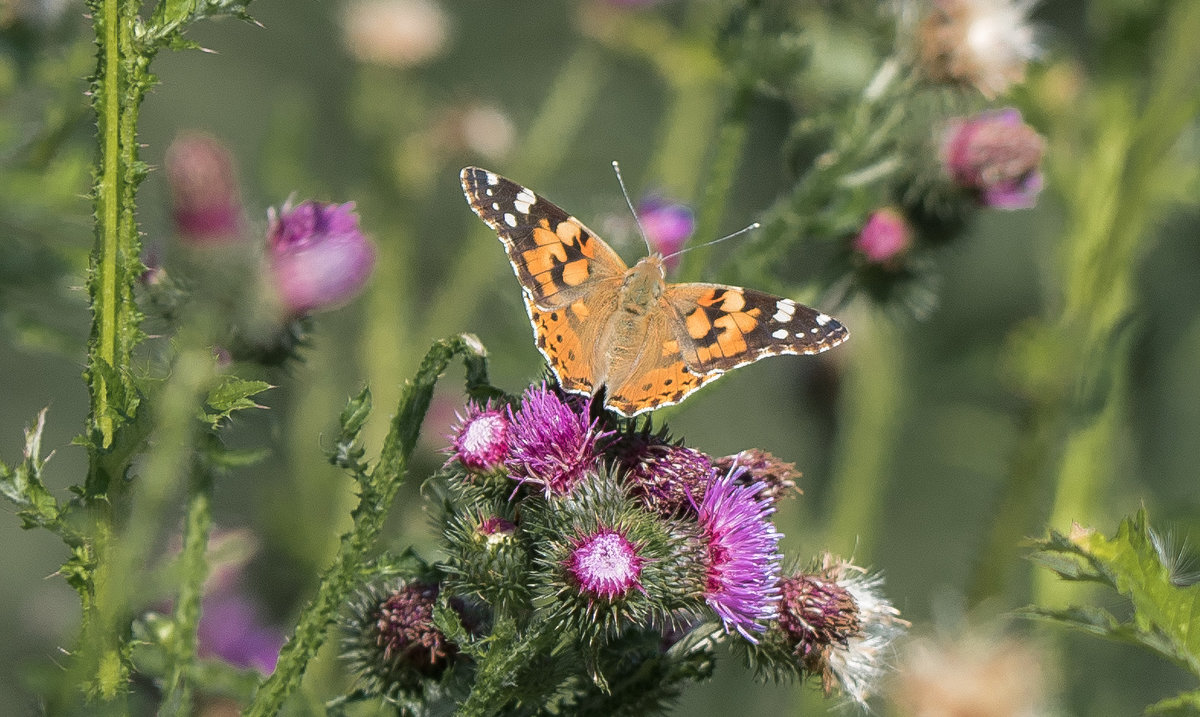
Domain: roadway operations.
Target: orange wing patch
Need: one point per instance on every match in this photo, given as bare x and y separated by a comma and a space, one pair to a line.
666, 383
568, 353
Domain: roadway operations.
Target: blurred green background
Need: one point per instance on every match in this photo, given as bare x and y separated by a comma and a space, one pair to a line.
918, 423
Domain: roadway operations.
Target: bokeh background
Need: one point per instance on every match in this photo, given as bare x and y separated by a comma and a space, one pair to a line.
908, 436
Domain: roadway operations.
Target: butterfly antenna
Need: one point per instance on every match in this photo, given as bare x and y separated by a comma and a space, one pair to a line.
739, 232
629, 202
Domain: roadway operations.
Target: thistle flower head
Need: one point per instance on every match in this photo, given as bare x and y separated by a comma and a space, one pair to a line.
778, 477
480, 440
605, 564
885, 236
391, 641
996, 155
742, 586
666, 477
839, 626
984, 43
318, 256
550, 443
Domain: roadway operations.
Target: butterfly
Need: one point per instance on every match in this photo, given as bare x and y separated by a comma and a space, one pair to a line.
625, 333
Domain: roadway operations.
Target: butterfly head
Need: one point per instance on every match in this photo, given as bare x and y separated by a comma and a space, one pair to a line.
645, 281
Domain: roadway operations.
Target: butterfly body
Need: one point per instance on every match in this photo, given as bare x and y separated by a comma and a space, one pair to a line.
601, 324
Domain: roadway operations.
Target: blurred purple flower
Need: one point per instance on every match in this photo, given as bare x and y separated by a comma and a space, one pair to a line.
743, 554
205, 202
319, 258
884, 237
232, 629
668, 225
997, 155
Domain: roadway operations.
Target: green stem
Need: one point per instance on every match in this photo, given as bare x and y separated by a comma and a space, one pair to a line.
377, 491
194, 570
123, 554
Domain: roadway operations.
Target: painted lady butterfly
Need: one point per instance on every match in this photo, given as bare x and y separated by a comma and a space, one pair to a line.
605, 326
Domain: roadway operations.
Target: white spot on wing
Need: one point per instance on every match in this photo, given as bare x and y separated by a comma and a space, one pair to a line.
823, 319
492, 179
522, 207
496, 206
781, 334
510, 220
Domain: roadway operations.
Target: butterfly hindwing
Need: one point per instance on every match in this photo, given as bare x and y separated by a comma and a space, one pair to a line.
661, 376
568, 337
555, 257
722, 327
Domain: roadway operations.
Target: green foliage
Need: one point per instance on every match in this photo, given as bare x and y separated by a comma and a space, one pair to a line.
1166, 610
347, 450
23, 486
378, 489
231, 394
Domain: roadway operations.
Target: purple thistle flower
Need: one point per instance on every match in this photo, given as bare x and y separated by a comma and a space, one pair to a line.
231, 629
318, 256
480, 441
996, 155
668, 226
743, 554
884, 237
550, 443
605, 564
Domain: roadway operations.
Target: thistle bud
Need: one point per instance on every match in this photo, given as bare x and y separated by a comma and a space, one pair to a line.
391, 641
205, 201
885, 237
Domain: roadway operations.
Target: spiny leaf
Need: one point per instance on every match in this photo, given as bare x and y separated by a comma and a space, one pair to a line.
24, 487
232, 394
347, 451
1166, 616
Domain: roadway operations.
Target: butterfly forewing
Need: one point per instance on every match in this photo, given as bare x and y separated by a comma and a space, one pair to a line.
555, 257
